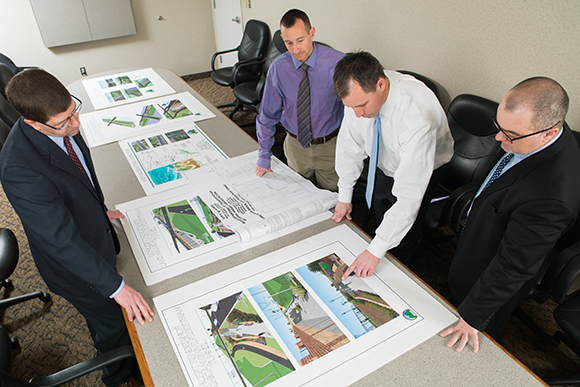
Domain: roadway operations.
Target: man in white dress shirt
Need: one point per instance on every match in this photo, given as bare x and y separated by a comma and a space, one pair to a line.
405, 122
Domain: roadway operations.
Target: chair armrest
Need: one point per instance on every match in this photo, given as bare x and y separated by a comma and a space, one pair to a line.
84, 368
569, 273
214, 56
246, 63
457, 205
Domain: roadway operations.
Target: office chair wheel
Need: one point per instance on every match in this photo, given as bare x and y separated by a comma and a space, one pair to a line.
7, 283
14, 343
45, 297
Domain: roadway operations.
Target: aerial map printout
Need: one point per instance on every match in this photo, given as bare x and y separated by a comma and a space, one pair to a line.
288, 318
125, 87
159, 159
105, 126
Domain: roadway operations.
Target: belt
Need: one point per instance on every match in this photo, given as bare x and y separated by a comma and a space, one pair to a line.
319, 140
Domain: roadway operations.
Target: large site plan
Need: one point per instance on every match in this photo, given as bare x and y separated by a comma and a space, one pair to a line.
288, 318
175, 231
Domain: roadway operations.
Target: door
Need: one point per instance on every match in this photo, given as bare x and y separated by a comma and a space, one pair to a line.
227, 16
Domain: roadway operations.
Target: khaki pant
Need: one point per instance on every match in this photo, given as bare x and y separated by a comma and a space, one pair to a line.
315, 162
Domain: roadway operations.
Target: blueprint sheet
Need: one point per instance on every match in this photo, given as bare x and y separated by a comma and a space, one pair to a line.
255, 206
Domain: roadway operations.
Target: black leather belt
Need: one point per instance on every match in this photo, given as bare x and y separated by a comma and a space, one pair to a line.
320, 140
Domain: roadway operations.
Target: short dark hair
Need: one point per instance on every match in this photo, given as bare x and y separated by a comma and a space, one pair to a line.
290, 17
544, 96
359, 66
37, 95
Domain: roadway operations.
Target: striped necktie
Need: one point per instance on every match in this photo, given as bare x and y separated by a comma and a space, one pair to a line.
303, 109
73, 156
373, 160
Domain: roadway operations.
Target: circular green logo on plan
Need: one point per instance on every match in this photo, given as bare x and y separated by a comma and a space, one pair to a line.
409, 314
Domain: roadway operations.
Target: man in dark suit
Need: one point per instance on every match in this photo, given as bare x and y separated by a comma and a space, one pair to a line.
524, 206
48, 175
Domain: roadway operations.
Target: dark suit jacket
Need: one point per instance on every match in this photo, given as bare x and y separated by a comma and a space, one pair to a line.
512, 227
71, 238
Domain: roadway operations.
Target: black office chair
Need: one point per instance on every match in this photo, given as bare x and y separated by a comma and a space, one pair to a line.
252, 48
61, 377
249, 94
427, 81
7, 113
556, 284
475, 152
10, 64
8, 261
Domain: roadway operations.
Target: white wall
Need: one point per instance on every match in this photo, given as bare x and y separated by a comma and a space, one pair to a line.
479, 47
184, 42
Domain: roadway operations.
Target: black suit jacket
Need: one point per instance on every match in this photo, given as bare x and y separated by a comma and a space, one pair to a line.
512, 226
71, 238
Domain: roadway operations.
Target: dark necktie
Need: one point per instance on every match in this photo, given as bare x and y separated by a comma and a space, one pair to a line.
498, 170
73, 156
303, 109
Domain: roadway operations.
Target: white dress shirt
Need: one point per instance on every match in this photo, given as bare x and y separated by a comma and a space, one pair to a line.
415, 140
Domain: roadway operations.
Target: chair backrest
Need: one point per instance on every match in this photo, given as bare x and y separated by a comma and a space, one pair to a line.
476, 151
8, 114
8, 253
8, 62
276, 49
254, 42
6, 75
428, 82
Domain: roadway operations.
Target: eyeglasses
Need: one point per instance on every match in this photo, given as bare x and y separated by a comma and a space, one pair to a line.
79, 105
512, 139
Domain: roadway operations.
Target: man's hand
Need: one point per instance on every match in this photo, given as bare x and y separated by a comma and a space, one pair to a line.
114, 215
363, 266
262, 171
341, 211
134, 304
462, 332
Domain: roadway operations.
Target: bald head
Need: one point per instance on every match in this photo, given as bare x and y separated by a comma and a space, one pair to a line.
544, 97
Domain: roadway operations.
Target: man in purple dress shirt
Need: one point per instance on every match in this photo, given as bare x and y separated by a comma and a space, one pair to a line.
279, 104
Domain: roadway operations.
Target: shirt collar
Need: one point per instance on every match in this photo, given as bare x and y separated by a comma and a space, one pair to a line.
518, 158
311, 61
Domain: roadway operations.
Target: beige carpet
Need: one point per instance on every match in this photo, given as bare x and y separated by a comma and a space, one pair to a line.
54, 336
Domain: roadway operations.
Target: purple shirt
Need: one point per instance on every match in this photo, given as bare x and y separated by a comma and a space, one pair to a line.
281, 91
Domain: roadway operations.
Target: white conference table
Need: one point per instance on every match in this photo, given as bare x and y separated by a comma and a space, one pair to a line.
428, 364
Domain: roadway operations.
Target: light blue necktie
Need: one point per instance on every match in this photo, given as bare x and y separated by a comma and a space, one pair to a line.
373, 160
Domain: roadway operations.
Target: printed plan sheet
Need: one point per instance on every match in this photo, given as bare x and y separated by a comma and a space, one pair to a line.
175, 231
160, 158
126, 87
105, 126
288, 318
255, 206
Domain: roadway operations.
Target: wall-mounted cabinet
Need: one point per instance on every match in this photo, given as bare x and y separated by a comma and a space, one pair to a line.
63, 22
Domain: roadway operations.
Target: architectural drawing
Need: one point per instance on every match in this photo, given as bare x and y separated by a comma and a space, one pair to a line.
273, 321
